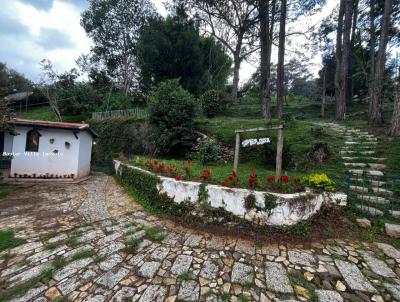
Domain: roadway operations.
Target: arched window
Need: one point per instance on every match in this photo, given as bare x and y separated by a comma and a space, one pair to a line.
32, 141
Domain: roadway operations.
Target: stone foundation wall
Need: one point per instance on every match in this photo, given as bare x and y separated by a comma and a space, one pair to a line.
287, 209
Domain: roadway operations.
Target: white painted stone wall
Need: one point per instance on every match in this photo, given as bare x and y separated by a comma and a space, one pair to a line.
73, 160
288, 210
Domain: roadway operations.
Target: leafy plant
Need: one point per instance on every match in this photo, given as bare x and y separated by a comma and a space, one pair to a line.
208, 152
250, 202
155, 234
210, 102
270, 201
321, 182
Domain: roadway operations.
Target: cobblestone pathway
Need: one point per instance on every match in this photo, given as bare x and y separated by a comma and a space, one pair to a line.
139, 257
38, 209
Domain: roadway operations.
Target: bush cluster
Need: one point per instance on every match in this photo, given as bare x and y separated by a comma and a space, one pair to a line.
172, 110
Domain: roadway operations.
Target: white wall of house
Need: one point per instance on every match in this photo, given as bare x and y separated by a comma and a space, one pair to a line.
85, 153
65, 161
8, 142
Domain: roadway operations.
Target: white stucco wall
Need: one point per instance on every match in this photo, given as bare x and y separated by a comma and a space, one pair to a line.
8, 142
85, 153
45, 161
289, 209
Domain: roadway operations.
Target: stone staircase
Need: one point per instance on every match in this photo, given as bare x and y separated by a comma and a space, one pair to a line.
367, 169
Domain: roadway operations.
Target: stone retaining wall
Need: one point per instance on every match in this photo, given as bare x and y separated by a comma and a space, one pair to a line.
288, 209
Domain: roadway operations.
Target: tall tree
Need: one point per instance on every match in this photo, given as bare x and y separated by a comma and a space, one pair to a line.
267, 21
280, 96
114, 26
173, 48
343, 48
234, 24
375, 115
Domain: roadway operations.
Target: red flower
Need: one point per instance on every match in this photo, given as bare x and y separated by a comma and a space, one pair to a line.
285, 179
171, 169
271, 179
230, 178
252, 180
186, 169
178, 177
187, 161
225, 184
206, 173
160, 168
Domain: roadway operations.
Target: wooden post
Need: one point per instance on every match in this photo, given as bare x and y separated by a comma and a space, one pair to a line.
279, 150
237, 147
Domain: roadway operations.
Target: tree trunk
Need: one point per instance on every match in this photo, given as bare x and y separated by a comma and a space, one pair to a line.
280, 78
266, 36
338, 54
344, 64
395, 124
235, 82
375, 115
264, 64
350, 87
323, 92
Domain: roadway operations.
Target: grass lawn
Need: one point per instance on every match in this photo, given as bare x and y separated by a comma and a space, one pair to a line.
6, 190
8, 240
44, 113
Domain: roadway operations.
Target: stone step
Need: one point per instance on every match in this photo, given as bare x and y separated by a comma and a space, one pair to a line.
395, 214
355, 165
374, 183
378, 183
359, 148
359, 189
377, 166
369, 172
365, 143
345, 152
372, 211
382, 192
366, 158
373, 199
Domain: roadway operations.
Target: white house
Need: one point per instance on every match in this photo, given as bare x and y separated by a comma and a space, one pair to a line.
42, 149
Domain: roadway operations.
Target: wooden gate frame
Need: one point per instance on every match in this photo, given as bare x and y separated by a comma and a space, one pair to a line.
279, 147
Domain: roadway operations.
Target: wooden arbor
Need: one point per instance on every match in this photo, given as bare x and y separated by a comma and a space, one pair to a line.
279, 147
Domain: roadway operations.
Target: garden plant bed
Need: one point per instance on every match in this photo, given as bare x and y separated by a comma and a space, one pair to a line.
260, 208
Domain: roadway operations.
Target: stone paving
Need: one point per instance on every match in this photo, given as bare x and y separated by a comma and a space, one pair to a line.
119, 258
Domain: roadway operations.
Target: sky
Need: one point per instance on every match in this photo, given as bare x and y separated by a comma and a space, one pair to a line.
32, 30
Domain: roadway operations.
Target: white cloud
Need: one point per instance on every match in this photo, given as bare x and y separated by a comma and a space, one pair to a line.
54, 34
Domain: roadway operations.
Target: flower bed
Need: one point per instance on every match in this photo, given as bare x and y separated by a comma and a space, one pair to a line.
258, 207
221, 174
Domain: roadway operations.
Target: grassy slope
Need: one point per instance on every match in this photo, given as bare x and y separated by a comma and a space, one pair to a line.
44, 113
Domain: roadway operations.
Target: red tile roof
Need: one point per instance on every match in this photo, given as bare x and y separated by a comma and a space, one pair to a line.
48, 124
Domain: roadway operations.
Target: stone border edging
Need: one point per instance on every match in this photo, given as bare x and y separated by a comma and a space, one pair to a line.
287, 210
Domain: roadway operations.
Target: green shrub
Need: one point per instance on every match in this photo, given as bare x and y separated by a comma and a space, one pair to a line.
171, 113
127, 135
211, 103
250, 202
321, 182
208, 152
